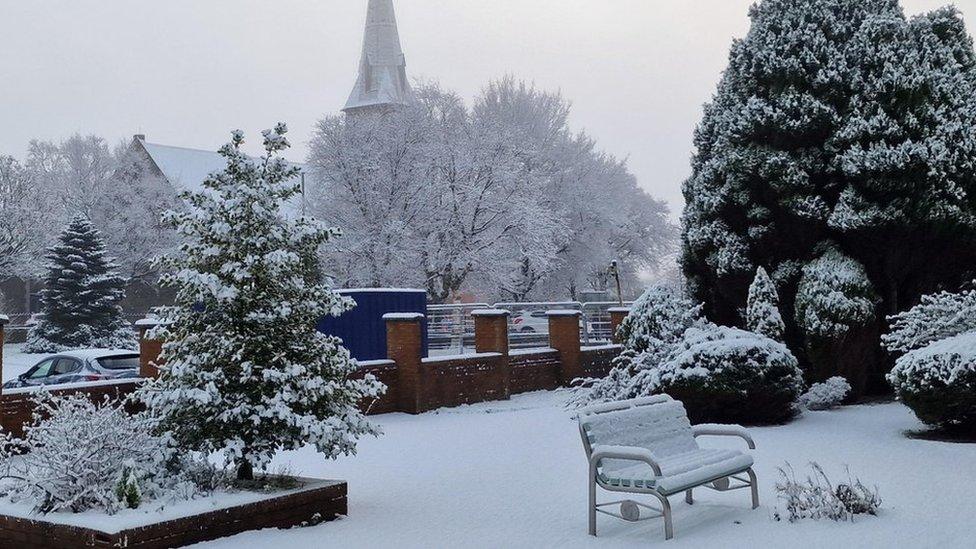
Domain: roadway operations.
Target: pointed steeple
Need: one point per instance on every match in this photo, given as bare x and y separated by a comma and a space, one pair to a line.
382, 78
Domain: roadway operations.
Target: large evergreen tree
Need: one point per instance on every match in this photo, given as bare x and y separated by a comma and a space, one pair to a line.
838, 125
80, 300
245, 373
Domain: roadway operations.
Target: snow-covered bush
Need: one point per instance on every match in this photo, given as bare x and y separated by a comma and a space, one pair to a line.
245, 372
938, 382
727, 375
834, 296
81, 297
816, 498
762, 308
826, 395
656, 322
936, 317
78, 455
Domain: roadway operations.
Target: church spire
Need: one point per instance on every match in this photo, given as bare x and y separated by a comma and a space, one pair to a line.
382, 78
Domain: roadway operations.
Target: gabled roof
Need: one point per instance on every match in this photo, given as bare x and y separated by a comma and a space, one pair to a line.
186, 169
382, 77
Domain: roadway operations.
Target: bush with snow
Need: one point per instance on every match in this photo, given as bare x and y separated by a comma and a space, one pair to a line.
762, 307
727, 375
936, 317
245, 373
816, 498
78, 455
82, 295
938, 382
656, 323
826, 395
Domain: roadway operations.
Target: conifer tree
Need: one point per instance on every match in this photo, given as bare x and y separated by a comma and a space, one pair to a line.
762, 309
841, 123
245, 373
81, 297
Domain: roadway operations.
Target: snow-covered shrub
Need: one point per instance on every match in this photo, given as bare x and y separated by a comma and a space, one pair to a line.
82, 296
656, 322
727, 375
245, 372
938, 382
834, 296
936, 317
762, 308
78, 455
816, 498
826, 395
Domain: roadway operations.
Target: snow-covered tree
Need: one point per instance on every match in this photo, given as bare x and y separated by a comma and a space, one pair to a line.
20, 203
826, 395
500, 198
845, 122
80, 300
762, 307
245, 373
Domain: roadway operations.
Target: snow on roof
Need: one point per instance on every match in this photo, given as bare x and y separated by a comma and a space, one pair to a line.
187, 169
85, 354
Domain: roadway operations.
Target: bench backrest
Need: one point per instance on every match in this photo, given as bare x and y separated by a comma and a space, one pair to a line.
658, 423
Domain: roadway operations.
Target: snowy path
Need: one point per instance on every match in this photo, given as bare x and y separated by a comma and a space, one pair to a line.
512, 475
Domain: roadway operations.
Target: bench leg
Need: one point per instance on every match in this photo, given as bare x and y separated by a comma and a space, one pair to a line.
755, 488
591, 506
666, 511
689, 499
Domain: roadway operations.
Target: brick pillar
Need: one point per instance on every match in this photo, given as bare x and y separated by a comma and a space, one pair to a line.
149, 349
3, 322
491, 336
617, 316
564, 336
404, 345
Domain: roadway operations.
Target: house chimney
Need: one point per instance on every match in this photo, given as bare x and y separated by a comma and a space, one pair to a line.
139, 137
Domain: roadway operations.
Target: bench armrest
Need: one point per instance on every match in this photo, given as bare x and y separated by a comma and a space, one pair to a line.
714, 429
632, 453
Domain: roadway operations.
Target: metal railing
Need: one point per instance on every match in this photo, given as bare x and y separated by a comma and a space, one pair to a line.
450, 328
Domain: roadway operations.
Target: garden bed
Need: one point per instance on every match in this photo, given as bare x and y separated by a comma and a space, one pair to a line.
191, 522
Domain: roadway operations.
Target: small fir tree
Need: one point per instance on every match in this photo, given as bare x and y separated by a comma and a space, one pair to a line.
245, 372
81, 297
762, 310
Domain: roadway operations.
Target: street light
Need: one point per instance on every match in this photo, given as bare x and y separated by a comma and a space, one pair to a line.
615, 273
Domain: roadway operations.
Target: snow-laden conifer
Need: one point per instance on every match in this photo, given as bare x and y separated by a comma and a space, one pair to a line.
245, 373
762, 308
80, 302
938, 316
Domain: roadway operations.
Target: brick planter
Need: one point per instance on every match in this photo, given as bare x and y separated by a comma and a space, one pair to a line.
318, 500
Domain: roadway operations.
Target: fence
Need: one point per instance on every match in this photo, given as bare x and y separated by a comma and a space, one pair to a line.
450, 328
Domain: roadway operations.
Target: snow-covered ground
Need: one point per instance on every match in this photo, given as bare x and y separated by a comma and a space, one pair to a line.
512, 474
16, 362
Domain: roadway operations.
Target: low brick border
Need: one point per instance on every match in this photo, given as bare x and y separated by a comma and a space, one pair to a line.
326, 499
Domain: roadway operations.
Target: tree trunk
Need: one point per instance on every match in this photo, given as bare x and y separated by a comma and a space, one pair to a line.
245, 471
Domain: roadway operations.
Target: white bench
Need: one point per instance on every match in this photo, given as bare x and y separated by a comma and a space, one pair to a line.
648, 446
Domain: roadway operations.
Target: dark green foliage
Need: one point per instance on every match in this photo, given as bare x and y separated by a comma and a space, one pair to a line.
81, 297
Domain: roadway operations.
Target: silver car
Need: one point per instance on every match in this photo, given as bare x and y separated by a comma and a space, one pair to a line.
79, 367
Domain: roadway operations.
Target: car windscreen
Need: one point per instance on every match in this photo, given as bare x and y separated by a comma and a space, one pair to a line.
119, 362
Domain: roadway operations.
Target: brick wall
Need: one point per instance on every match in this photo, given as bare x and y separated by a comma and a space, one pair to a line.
386, 372
534, 370
16, 407
456, 381
596, 361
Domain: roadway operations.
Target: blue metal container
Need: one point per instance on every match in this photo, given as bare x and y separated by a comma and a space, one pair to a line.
363, 330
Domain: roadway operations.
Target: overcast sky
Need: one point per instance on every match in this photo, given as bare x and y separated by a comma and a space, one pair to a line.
186, 72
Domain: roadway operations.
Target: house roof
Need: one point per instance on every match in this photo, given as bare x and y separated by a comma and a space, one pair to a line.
186, 169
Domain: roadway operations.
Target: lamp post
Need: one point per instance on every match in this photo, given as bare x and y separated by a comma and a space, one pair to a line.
615, 273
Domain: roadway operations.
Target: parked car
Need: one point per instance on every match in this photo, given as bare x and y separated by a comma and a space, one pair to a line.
530, 322
79, 366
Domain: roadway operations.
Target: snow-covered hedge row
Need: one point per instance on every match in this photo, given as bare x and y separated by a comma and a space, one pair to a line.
728, 375
938, 382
